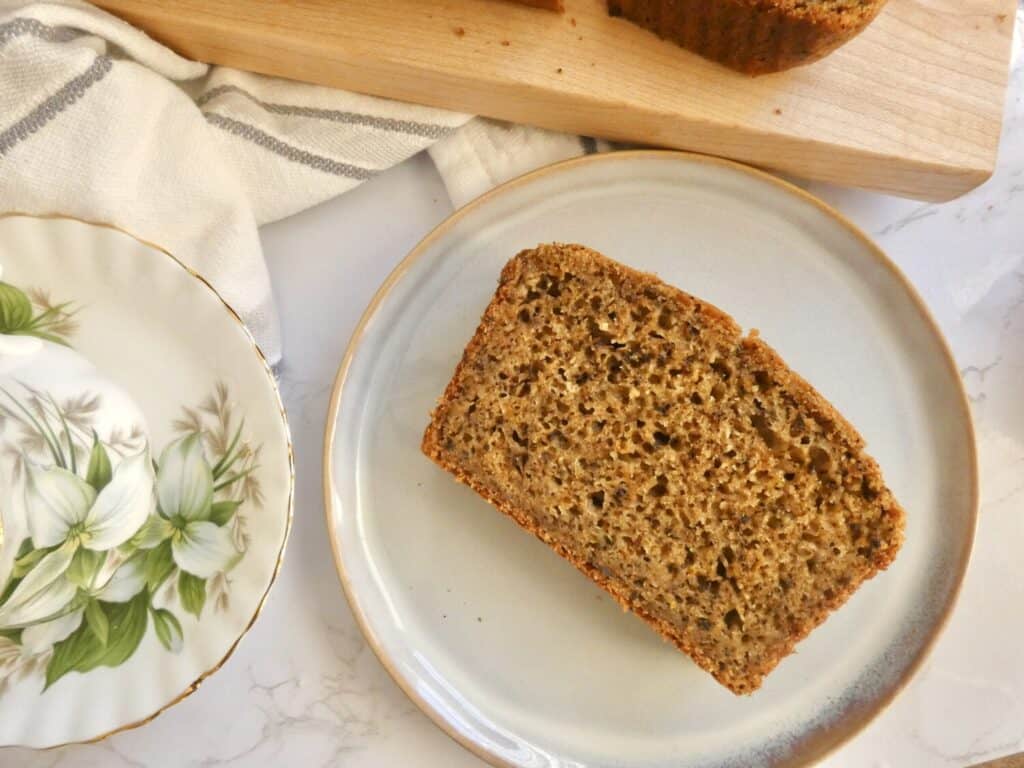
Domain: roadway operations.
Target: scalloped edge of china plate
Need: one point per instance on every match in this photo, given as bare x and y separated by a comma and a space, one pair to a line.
194, 685
815, 744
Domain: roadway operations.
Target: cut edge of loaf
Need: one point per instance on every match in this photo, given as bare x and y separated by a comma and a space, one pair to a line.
749, 37
751, 344
547, 5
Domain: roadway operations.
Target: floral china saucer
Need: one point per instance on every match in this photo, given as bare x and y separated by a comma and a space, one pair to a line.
146, 481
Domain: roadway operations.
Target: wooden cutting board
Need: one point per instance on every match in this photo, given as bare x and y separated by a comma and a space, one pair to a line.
912, 106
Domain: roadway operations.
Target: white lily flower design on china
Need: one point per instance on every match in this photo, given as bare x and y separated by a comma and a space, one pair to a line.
108, 542
187, 515
75, 524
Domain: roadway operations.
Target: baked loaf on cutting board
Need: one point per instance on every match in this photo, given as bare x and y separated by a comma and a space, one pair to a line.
752, 36
679, 464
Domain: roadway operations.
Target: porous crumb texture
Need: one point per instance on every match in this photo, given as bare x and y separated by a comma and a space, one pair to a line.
681, 466
753, 36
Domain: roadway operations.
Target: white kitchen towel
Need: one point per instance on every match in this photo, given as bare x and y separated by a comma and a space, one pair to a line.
99, 122
485, 153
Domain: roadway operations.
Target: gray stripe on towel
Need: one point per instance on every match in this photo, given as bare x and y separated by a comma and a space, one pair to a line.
278, 147
19, 27
62, 98
411, 127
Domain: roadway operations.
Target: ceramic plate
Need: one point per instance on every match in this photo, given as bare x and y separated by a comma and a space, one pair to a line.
145, 481
506, 646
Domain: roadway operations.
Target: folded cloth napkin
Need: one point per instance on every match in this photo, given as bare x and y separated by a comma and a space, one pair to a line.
485, 153
102, 123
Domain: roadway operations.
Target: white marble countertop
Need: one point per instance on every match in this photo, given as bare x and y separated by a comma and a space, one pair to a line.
304, 688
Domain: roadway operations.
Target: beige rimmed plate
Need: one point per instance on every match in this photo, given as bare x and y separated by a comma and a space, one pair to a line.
506, 646
145, 481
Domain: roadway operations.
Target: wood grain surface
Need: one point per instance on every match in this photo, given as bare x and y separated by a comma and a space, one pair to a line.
912, 106
1010, 761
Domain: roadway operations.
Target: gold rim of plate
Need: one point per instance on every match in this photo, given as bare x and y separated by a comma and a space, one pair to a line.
194, 685
815, 744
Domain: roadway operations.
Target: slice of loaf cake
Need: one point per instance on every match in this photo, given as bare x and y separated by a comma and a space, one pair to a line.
753, 36
677, 463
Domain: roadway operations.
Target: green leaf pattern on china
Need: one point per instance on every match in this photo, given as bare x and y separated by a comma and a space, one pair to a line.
99, 472
158, 564
91, 583
19, 315
97, 620
85, 566
193, 593
82, 651
168, 629
15, 309
222, 511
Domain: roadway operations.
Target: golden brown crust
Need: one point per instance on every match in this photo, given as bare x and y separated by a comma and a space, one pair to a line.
761, 357
753, 36
549, 5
